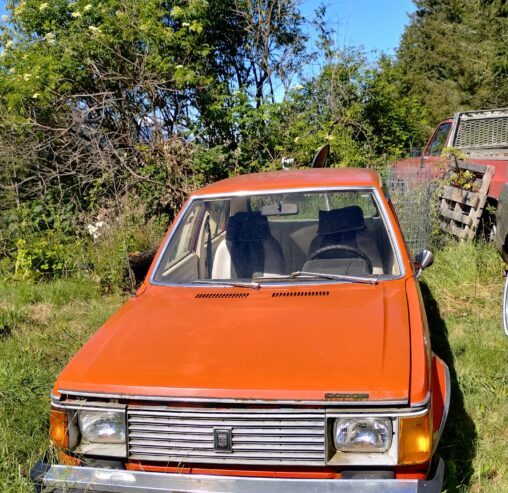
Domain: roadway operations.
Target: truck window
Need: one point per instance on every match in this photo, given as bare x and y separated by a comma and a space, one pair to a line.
438, 141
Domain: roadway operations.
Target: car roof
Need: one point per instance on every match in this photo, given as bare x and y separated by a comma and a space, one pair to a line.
294, 179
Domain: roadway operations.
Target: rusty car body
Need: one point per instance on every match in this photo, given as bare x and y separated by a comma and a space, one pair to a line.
278, 343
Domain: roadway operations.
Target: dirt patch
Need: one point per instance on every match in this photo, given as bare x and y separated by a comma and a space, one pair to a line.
41, 313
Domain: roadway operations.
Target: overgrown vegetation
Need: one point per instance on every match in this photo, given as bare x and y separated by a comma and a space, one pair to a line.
111, 111
106, 104
463, 293
41, 326
453, 56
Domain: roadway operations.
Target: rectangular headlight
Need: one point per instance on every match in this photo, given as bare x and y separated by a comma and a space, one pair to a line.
102, 426
102, 433
363, 434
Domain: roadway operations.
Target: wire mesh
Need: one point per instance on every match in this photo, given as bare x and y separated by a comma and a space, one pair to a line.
411, 189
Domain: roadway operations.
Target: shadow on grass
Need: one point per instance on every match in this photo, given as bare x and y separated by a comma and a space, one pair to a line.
458, 443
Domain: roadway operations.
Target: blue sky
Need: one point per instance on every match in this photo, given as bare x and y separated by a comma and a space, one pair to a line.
374, 24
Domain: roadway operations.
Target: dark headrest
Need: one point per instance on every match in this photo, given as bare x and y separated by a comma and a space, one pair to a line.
341, 220
247, 226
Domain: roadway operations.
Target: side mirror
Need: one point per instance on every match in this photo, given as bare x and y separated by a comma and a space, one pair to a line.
422, 260
321, 157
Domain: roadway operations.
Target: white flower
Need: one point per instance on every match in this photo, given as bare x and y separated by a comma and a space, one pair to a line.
92, 231
298, 87
76, 15
185, 24
50, 38
27, 77
8, 44
94, 29
43, 7
87, 7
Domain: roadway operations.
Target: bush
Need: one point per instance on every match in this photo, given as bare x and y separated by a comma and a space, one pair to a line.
43, 244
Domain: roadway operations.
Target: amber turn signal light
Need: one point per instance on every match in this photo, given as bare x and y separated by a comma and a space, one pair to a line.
58, 428
415, 442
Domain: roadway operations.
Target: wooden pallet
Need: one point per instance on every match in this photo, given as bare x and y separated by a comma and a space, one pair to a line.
460, 210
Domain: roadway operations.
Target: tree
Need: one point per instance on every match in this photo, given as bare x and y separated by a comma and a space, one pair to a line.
452, 55
116, 95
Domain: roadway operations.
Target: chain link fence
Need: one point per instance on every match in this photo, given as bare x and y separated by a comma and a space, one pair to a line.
412, 190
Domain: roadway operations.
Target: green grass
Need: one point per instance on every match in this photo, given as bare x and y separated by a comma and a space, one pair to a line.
463, 294
42, 325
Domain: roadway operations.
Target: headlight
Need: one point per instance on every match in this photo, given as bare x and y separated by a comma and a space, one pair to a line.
363, 434
102, 426
102, 433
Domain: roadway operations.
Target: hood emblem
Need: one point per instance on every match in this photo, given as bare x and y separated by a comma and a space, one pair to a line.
222, 440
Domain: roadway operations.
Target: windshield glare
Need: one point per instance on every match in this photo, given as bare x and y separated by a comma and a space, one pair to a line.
268, 236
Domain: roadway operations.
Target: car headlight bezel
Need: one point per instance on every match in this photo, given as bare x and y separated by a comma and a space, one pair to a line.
103, 432
398, 453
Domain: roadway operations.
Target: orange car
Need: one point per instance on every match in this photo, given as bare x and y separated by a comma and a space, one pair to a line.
278, 344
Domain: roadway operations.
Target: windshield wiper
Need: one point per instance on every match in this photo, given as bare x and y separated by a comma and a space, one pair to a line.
318, 275
252, 285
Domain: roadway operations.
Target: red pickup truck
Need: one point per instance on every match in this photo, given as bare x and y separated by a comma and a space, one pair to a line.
482, 136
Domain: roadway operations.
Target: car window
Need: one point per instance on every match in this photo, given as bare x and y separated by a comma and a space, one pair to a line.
184, 240
218, 211
309, 205
438, 142
264, 235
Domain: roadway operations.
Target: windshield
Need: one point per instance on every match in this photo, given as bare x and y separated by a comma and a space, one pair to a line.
272, 237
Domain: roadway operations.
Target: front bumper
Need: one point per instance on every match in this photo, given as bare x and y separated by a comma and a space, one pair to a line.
58, 478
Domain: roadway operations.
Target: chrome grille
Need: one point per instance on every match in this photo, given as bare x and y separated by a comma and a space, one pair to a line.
259, 436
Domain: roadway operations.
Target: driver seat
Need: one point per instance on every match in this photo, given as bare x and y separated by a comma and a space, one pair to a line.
249, 248
338, 227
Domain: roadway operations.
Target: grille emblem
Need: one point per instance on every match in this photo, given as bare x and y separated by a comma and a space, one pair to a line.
222, 440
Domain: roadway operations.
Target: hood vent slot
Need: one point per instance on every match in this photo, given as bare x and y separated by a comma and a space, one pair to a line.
285, 294
221, 295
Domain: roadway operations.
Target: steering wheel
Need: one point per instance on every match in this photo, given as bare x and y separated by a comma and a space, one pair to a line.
342, 248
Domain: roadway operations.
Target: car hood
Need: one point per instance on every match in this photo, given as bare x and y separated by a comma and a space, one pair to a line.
327, 341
